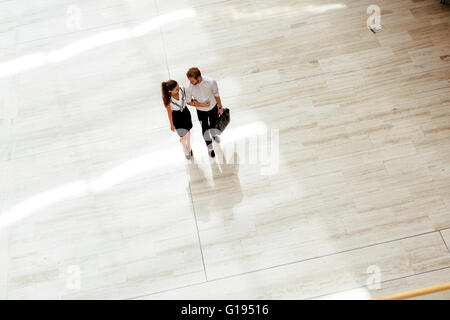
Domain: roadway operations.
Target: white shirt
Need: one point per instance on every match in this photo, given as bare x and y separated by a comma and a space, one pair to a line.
206, 90
177, 105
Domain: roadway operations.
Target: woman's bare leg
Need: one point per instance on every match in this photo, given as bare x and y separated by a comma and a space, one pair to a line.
188, 142
183, 145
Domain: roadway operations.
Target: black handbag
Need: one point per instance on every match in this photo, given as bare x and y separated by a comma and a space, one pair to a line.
223, 120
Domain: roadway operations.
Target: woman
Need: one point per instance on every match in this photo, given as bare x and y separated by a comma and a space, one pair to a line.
179, 116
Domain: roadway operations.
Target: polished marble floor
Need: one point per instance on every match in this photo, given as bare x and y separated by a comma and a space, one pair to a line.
332, 180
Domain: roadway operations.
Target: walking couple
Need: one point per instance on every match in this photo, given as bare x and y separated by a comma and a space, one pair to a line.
203, 94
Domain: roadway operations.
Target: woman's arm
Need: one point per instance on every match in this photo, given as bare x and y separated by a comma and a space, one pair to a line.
169, 113
193, 103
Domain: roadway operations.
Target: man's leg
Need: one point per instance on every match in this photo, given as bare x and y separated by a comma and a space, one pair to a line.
203, 118
213, 118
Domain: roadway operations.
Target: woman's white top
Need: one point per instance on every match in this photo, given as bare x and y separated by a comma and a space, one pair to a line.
178, 105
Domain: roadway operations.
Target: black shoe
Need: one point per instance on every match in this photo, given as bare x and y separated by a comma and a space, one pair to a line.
190, 155
216, 139
211, 152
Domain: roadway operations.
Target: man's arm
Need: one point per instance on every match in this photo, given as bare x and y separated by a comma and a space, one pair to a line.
189, 99
219, 102
197, 104
215, 89
193, 102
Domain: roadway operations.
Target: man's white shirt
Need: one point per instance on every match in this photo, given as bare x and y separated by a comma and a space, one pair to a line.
207, 90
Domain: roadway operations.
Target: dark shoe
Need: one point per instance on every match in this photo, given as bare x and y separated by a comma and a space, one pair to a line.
211, 152
192, 154
216, 139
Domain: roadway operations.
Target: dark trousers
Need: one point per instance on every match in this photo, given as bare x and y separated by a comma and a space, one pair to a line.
208, 120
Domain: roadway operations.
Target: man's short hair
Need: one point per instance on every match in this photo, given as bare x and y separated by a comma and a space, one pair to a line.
193, 73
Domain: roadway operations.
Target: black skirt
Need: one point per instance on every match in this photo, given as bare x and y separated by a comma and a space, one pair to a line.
182, 121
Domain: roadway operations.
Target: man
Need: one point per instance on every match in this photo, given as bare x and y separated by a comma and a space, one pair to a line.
203, 93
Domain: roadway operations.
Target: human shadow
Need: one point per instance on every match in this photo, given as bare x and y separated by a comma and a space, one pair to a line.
221, 193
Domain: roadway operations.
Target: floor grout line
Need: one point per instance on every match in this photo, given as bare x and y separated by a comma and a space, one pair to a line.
381, 282
167, 290
198, 231
286, 264
324, 256
440, 232
163, 41
99, 28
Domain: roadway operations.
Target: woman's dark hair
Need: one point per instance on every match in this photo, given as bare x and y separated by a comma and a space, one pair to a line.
166, 87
